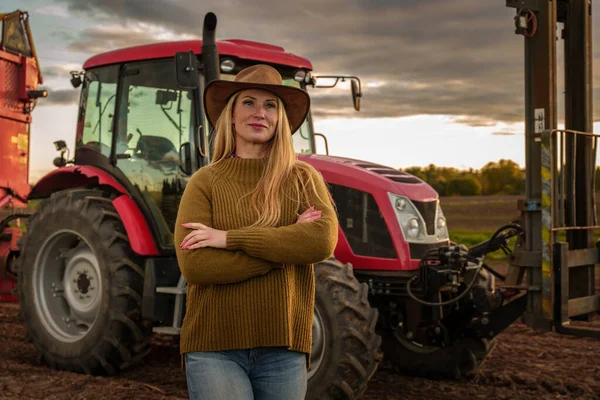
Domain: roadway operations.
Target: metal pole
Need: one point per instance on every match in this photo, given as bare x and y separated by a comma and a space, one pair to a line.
578, 116
540, 114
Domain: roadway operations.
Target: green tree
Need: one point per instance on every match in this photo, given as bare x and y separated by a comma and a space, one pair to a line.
502, 177
463, 186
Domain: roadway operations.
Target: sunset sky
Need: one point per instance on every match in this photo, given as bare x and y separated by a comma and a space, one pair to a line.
442, 80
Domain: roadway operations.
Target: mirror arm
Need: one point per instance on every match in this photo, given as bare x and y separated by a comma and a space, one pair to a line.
326, 143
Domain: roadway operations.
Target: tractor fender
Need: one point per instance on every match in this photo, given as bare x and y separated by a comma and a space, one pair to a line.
138, 231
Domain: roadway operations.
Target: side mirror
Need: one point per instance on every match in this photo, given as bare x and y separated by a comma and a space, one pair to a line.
164, 97
185, 155
356, 94
186, 70
76, 78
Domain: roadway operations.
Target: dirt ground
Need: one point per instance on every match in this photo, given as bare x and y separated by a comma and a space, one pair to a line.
524, 365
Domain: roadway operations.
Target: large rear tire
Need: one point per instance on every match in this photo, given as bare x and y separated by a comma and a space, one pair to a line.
345, 351
80, 286
462, 358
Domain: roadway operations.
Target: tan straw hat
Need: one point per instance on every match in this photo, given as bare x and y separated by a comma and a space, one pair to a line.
218, 92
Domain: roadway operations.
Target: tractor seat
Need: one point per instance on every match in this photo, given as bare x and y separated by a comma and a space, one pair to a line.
155, 148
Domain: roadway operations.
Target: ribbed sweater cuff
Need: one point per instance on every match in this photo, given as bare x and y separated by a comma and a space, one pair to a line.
247, 240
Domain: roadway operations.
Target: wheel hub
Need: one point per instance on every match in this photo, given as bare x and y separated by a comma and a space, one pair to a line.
68, 286
80, 280
83, 283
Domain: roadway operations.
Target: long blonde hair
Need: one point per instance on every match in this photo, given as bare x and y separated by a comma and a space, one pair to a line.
282, 166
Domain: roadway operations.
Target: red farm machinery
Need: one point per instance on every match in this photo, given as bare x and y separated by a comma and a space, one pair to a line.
19, 79
96, 268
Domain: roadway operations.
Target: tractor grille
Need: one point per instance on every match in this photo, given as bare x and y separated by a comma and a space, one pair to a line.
389, 284
418, 250
427, 210
362, 222
390, 173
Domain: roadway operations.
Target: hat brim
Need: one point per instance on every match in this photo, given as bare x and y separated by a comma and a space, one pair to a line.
218, 92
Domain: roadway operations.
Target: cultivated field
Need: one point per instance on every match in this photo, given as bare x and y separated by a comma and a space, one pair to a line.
479, 213
524, 365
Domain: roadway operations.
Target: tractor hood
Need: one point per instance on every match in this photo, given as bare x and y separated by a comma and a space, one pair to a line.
370, 177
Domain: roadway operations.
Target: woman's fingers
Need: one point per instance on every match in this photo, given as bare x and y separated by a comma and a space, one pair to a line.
193, 238
312, 215
196, 228
306, 212
309, 216
197, 245
194, 225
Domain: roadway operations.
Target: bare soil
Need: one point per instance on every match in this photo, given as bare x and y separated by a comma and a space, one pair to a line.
480, 213
524, 365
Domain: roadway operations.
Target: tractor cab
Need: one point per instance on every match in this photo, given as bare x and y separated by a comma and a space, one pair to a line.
139, 124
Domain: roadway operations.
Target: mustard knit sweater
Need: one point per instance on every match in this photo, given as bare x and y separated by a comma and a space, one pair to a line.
260, 290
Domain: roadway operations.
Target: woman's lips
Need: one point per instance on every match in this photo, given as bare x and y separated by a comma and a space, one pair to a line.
258, 126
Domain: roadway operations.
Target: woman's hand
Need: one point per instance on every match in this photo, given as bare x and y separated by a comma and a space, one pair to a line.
203, 236
309, 215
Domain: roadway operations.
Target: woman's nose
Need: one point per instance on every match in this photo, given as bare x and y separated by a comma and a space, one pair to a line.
260, 112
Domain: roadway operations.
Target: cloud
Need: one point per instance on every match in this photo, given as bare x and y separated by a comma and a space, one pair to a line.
64, 36
427, 57
59, 71
465, 103
53, 10
104, 38
504, 133
60, 97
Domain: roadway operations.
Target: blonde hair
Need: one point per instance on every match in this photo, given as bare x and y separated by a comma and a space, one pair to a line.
282, 166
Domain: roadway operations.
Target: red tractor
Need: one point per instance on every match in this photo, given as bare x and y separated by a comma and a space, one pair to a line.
19, 78
97, 272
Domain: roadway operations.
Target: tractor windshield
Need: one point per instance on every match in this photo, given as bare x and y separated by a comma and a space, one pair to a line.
97, 109
302, 138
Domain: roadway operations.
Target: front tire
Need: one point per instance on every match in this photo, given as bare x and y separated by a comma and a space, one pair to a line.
463, 358
345, 351
80, 286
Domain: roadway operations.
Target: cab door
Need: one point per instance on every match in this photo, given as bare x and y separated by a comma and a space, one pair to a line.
154, 138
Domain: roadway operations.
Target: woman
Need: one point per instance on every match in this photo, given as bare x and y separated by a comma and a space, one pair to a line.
249, 228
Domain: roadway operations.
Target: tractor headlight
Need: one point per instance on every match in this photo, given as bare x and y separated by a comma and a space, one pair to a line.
401, 203
227, 65
300, 75
408, 217
441, 226
441, 223
412, 228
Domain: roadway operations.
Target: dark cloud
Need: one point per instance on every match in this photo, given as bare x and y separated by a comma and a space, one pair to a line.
100, 39
456, 99
59, 97
459, 58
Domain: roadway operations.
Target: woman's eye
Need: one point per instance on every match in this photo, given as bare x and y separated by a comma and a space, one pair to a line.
248, 103
271, 105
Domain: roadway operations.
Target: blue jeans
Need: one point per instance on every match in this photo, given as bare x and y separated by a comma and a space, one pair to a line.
264, 373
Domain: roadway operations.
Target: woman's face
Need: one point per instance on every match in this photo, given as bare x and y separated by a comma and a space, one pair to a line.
255, 116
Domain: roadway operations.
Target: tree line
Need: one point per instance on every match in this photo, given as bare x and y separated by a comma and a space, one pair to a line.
494, 178
501, 177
